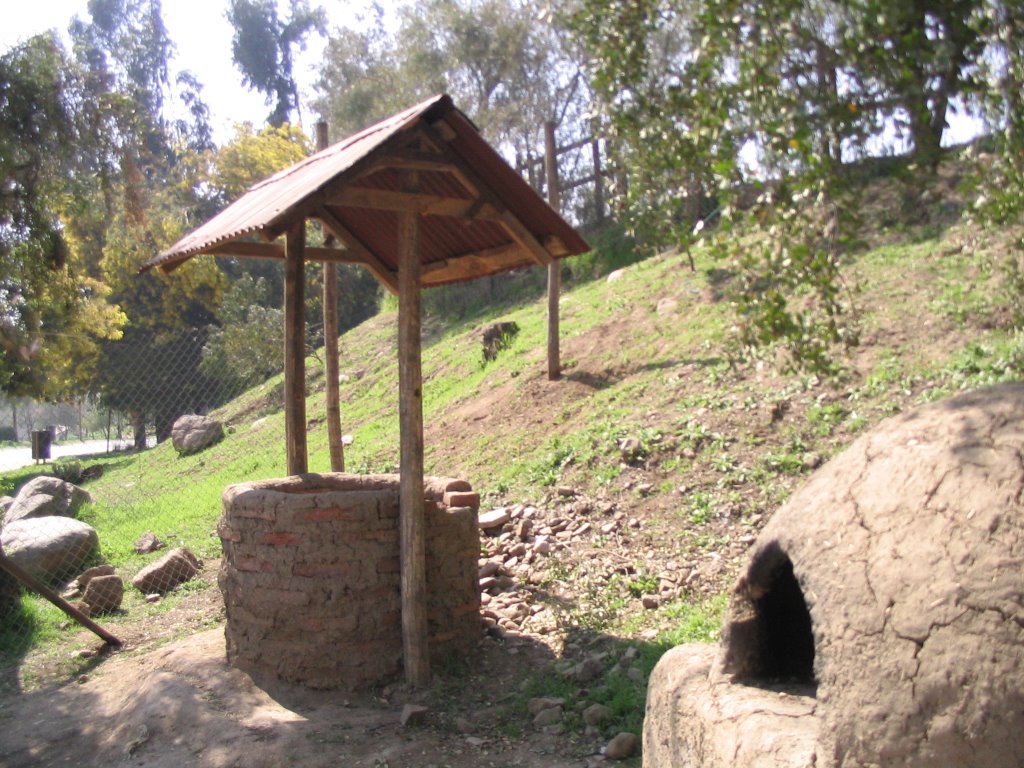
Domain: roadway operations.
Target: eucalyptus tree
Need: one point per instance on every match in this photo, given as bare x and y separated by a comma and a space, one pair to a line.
503, 62
263, 49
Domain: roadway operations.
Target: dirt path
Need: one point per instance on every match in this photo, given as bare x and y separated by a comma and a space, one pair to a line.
183, 705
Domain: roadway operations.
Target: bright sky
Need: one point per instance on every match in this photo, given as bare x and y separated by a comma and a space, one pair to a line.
202, 35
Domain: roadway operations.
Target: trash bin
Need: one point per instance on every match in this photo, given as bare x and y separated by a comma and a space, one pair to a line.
41, 441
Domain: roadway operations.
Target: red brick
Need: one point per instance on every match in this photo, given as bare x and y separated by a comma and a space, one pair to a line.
333, 513
322, 569
461, 499
278, 538
227, 533
390, 535
253, 565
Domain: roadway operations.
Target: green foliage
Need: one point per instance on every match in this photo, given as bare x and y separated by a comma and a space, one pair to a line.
262, 49
246, 348
692, 91
508, 69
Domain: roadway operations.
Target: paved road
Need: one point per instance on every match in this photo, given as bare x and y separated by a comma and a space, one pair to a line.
12, 458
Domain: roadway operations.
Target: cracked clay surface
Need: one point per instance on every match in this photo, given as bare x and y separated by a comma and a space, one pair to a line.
908, 550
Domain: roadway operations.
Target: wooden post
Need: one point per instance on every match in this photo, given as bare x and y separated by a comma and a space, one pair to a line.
331, 368
554, 269
295, 349
416, 657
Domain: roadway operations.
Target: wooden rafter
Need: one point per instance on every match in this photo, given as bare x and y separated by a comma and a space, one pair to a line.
478, 264
468, 178
253, 250
423, 204
354, 244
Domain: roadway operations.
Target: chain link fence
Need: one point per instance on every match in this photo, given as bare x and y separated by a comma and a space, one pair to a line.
111, 502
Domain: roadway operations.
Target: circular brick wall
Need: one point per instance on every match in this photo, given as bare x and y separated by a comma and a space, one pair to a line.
310, 576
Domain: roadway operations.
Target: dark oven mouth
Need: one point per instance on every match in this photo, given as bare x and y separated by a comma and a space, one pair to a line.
769, 636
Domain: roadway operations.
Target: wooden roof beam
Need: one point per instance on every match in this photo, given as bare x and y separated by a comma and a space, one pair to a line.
253, 250
477, 264
423, 204
366, 257
468, 178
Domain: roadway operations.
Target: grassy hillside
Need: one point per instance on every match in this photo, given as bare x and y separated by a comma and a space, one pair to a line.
678, 455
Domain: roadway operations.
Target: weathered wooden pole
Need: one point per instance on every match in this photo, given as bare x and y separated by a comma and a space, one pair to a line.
554, 269
595, 149
295, 348
416, 657
36, 585
331, 368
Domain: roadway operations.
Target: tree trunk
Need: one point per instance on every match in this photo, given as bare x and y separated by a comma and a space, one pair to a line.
139, 429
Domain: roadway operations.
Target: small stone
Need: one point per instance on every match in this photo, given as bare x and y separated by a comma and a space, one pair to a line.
489, 568
635, 674
621, 747
537, 705
177, 566
588, 669
153, 598
103, 594
650, 602
475, 741
496, 518
597, 715
644, 488
629, 448
463, 725
414, 714
549, 716
811, 460
85, 653
90, 573
566, 492
148, 542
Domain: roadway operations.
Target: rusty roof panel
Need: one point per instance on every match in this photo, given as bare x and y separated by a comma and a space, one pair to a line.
300, 189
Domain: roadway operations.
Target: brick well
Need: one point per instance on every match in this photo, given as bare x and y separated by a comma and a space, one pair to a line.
310, 576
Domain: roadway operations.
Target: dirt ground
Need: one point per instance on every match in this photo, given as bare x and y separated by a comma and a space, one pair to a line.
180, 704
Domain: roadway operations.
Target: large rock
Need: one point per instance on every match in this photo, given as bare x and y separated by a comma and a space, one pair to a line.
884, 600
50, 548
177, 566
44, 497
192, 433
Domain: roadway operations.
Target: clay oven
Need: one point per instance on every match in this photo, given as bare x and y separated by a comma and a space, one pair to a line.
310, 576
880, 618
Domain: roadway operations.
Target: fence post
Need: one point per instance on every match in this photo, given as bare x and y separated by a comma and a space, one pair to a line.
331, 368
554, 268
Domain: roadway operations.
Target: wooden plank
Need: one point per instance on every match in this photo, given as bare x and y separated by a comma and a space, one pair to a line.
295, 349
408, 160
554, 268
416, 657
425, 205
366, 257
473, 265
250, 250
332, 395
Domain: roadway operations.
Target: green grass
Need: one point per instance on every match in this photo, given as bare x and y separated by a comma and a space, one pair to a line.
670, 387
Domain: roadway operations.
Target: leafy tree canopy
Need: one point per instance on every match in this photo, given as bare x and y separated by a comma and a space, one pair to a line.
263, 49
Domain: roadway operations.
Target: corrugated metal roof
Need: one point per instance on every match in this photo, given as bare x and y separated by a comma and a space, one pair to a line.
360, 163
